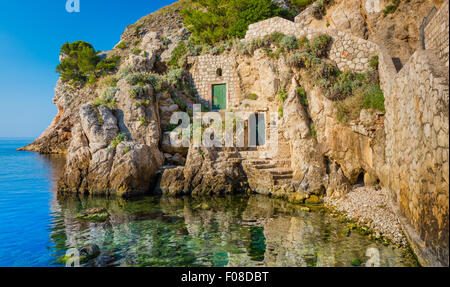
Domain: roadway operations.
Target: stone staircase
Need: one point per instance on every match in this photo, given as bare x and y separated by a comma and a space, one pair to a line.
264, 172
277, 170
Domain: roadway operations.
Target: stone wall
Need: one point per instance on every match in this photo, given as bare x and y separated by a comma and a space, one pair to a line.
208, 70
349, 52
436, 34
417, 151
276, 24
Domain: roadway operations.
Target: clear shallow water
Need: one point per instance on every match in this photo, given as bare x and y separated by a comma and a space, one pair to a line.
37, 227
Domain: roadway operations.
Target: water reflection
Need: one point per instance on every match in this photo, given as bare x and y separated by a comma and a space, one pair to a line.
219, 231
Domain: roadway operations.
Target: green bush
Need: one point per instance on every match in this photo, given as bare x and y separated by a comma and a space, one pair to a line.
313, 131
109, 93
300, 4
81, 63
359, 91
319, 9
320, 45
122, 45
177, 54
289, 43
108, 65
280, 111
390, 9
121, 137
374, 62
218, 20
282, 95
137, 51
253, 96
143, 79
302, 95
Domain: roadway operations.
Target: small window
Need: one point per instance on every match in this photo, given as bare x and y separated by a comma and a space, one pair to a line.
219, 72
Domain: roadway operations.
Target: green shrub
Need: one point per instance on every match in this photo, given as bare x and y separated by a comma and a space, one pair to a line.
312, 128
289, 43
175, 77
143, 121
143, 79
390, 9
126, 150
319, 9
170, 127
108, 81
304, 43
177, 54
301, 4
81, 63
123, 45
282, 94
374, 62
276, 38
280, 111
253, 96
121, 137
356, 262
302, 95
320, 45
109, 93
137, 51
218, 20
362, 91
108, 65
373, 98
138, 91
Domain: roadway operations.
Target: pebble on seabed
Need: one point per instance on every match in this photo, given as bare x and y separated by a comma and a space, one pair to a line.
369, 205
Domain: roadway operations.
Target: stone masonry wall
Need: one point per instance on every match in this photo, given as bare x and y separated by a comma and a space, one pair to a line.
417, 151
436, 34
204, 74
349, 52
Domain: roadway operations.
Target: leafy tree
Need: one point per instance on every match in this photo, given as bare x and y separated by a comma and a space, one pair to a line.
80, 63
218, 20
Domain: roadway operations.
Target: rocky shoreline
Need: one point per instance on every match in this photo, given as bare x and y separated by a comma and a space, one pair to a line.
369, 206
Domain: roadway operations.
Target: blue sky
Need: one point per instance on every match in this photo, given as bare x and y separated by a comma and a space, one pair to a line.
31, 34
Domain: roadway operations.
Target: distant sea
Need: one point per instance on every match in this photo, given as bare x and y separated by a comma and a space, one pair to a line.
27, 199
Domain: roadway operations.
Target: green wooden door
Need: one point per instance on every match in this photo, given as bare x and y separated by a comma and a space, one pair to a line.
219, 97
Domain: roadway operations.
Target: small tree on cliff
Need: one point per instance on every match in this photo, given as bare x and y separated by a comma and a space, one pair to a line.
80, 62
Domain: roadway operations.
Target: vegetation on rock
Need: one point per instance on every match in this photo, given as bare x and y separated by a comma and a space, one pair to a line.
219, 20
80, 63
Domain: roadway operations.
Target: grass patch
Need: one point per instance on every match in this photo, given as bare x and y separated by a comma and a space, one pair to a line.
390, 9
121, 137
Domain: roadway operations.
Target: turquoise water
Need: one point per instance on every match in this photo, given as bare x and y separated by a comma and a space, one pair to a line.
37, 226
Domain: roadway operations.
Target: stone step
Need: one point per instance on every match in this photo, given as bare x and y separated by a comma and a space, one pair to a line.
282, 181
228, 154
264, 166
279, 171
257, 162
285, 176
283, 162
238, 160
249, 154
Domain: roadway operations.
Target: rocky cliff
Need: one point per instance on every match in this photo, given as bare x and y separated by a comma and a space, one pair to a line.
116, 132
